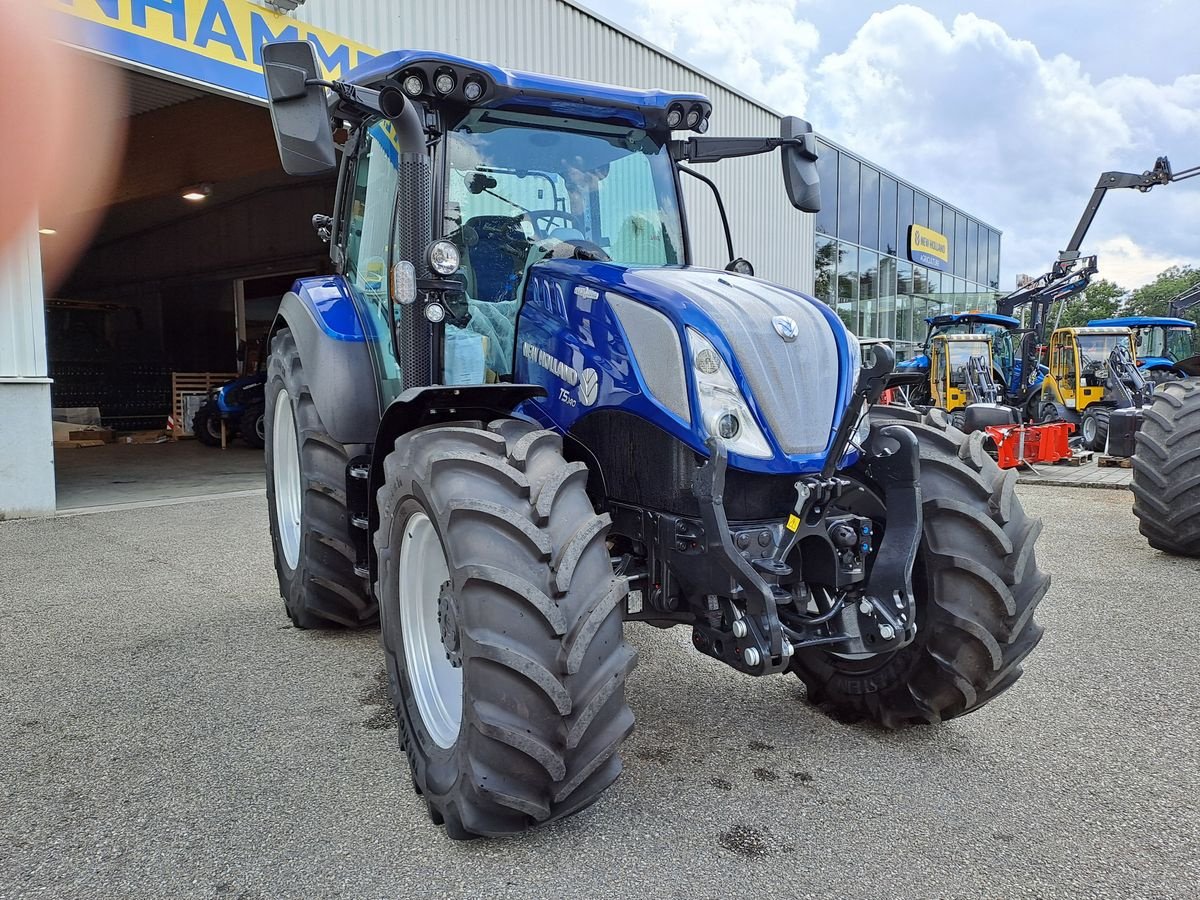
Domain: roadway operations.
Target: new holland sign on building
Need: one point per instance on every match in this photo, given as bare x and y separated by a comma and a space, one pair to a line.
213, 43
928, 247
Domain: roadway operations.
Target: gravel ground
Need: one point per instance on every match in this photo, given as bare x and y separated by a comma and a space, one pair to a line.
164, 732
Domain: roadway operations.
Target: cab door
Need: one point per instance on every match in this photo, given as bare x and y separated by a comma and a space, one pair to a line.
1064, 368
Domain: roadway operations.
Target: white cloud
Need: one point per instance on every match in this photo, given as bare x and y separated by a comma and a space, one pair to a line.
1126, 262
761, 46
972, 114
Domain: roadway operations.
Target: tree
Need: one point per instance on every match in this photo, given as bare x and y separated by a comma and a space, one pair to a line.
1152, 299
1101, 300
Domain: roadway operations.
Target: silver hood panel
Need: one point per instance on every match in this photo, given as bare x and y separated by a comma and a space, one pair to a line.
795, 384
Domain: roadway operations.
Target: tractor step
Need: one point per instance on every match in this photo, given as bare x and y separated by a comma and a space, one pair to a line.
1115, 462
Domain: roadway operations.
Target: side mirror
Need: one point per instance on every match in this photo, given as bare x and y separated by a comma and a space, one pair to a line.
800, 165
299, 112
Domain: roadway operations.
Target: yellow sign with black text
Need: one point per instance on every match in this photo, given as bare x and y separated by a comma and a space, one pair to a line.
212, 42
928, 247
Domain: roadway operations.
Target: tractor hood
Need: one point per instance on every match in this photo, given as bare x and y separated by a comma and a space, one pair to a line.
793, 360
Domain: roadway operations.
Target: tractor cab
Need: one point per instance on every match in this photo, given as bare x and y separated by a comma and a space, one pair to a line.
1093, 372
962, 381
1166, 346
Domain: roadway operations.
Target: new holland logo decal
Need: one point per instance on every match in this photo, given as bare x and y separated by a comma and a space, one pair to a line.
585, 382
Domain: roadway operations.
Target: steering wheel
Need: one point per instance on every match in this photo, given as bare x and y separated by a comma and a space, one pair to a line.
536, 215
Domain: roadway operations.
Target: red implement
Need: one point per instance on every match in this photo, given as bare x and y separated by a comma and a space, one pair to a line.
1016, 444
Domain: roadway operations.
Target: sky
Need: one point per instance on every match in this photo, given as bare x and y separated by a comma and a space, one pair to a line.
1008, 109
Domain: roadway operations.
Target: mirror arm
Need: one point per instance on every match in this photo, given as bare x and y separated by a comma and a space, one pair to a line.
389, 102
720, 204
715, 149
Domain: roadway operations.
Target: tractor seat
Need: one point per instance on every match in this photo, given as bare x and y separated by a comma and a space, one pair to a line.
497, 257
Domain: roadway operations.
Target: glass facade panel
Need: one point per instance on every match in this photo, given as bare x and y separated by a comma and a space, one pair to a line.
847, 201
972, 270
868, 294
958, 244
887, 216
904, 217
847, 287
935, 218
993, 264
868, 227
921, 209
827, 168
826, 270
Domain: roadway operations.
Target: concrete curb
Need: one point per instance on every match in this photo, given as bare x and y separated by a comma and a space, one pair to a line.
168, 501
1094, 485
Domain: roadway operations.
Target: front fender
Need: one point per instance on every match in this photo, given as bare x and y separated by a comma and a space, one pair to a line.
334, 347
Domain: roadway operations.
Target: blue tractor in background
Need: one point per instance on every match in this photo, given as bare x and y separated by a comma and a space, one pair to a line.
1166, 346
519, 416
241, 406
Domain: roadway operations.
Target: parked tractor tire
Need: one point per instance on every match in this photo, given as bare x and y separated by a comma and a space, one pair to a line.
502, 625
1094, 428
1166, 470
252, 428
306, 499
976, 584
206, 426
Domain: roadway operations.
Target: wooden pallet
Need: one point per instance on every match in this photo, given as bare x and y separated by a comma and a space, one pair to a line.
193, 383
1078, 458
1115, 462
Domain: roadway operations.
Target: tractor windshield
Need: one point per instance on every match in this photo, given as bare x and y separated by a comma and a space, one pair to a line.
962, 351
523, 188
1094, 349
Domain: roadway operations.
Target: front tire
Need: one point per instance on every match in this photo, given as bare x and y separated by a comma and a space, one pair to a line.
1094, 429
976, 583
253, 426
1166, 470
206, 425
306, 498
504, 651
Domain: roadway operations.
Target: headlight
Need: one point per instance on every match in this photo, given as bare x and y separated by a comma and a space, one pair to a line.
444, 82
413, 84
674, 117
442, 257
723, 409
472, 89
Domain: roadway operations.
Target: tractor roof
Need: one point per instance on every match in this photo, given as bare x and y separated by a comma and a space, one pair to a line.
1098, 329
967, 318
1144, 322
963, 338
511, 89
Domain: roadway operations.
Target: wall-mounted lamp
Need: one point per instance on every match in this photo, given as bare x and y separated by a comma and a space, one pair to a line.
197, 192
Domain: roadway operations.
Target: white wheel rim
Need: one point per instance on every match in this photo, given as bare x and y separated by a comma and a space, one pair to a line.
260, 426
285, 468
1089, 429
437, 686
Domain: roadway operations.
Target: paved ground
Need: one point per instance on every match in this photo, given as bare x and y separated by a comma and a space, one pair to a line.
139, 473
163, 732
1089, 474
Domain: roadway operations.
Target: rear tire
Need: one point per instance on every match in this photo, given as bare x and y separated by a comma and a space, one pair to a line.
976, 584
1166, 470
1094, 429
529, 616
306, 500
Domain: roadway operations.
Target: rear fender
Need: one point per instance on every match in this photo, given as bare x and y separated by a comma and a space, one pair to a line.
334, 346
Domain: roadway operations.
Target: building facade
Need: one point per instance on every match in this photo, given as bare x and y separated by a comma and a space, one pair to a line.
889, 254
175, 285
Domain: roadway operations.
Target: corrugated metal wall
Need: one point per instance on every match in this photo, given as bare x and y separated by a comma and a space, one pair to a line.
558, 38
22, 319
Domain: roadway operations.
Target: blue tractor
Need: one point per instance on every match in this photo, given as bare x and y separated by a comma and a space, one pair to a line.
1166, 346
518, 417
240, 406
